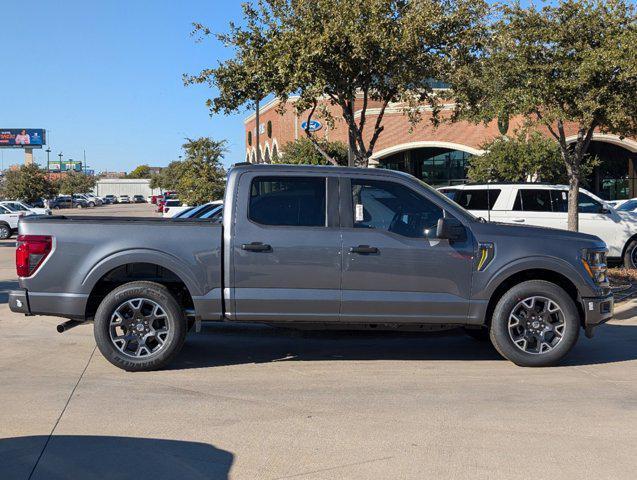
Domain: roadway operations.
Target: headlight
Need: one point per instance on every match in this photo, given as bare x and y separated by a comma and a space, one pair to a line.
594, 261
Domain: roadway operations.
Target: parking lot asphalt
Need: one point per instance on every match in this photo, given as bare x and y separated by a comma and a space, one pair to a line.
253, 402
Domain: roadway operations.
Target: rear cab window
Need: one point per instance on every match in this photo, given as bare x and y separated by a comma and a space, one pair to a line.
288, 201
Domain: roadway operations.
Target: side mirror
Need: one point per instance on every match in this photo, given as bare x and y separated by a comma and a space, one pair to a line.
450, 229
605, 210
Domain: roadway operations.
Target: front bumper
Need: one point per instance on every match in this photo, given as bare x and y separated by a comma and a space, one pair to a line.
19, 301
597, 310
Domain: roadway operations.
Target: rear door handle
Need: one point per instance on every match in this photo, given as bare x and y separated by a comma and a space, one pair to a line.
518, 220
364, 249
256, 247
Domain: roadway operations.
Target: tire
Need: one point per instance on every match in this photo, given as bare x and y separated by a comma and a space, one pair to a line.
480, 334
120, 345
547, 337
5, 231
91, 204
79, 206
630, 255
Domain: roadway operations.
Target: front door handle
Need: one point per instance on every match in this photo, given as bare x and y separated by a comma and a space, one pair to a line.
256, 247
517, 220
364, 249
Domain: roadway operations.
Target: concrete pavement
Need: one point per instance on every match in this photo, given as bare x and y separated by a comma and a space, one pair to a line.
253, 402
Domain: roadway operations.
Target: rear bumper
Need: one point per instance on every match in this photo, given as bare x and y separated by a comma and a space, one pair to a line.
19, 301
597, 310
67, 305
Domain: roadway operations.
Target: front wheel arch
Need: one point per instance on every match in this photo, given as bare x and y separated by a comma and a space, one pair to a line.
626, 248
533, 274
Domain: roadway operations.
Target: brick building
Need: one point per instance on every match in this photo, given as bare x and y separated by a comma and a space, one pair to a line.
439, 156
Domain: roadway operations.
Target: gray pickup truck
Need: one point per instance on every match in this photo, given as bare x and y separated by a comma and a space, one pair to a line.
314, 247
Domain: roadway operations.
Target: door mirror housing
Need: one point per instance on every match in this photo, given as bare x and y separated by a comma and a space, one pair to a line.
450, 229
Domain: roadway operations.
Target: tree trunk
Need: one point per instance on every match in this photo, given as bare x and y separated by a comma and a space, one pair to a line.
257, 136
573, 194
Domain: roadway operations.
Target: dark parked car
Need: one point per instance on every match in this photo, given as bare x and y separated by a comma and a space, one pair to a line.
139, 199
67, 201
111, 198
315, 247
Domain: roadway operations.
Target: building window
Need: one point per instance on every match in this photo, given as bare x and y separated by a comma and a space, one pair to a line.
250, 138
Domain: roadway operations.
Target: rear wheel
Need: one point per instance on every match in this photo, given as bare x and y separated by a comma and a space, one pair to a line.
535, 324
5, 231
140, 326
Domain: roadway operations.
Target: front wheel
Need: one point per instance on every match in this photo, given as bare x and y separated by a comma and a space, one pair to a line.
139, 326
630, 255
535, 324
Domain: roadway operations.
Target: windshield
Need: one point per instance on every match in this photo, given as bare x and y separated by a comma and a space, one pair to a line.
16, 207
628, 206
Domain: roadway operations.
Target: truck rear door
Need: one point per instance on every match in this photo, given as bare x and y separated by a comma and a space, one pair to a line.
286, 244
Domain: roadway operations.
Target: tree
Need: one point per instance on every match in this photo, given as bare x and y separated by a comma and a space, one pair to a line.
357, 56
28, 183
76, 182
202, 178
302, 151
521, 158
142, 171
242, 81
167, 178
569, 68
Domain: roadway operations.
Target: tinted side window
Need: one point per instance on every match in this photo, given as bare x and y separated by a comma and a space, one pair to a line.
586, 204
394, 208
533, 201
477, 199
288, 201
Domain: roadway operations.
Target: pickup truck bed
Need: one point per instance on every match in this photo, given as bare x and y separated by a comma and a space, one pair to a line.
98, 252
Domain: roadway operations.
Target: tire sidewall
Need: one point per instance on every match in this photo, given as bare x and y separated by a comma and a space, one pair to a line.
499, 325
628, 257
175, 319
5, 232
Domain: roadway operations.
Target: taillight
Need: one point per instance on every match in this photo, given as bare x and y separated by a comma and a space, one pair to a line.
30, 253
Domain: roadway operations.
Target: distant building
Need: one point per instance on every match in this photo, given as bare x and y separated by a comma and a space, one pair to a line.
108, 174
439, 156
124, 186
155, 170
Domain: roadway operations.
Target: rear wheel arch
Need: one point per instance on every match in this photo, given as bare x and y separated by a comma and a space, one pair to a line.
135, 272
626, 247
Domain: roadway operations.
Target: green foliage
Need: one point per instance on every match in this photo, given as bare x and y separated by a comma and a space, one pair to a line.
142, 171
573, 62
167, 178
28, 183
382, 51
76, 182
519, 159
302, 151
202, 176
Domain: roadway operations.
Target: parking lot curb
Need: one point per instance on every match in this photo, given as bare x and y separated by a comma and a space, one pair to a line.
626, 306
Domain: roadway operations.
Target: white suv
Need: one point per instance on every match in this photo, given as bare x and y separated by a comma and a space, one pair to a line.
546, 206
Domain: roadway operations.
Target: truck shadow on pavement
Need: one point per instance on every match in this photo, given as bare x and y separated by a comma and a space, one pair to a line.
79, 457
232, 344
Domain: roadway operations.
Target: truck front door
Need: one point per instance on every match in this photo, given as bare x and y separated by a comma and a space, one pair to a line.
286, 248
394, 267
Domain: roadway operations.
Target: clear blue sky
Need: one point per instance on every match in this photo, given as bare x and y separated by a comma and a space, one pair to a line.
106, 77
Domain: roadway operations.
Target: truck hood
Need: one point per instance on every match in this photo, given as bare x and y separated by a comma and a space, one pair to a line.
487, 230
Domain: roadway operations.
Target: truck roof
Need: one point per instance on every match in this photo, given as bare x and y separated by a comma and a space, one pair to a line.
315, 169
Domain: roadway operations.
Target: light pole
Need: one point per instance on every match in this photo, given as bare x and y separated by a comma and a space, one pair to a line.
48, 152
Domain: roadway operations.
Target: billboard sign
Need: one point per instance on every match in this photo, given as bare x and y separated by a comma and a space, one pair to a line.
65, 166
22, 137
